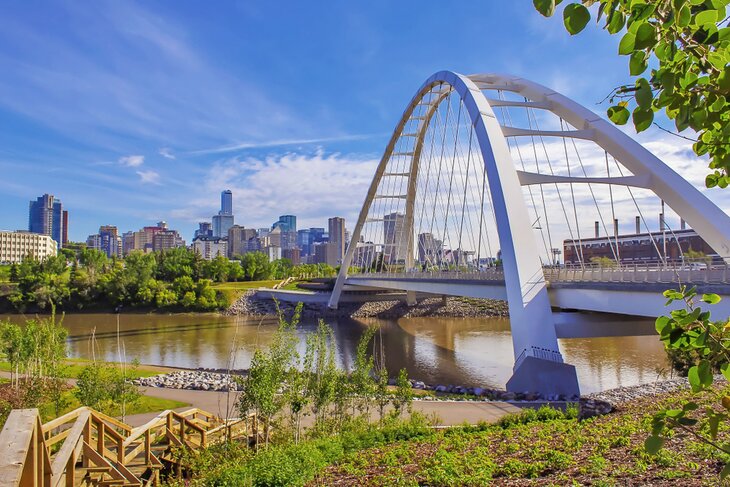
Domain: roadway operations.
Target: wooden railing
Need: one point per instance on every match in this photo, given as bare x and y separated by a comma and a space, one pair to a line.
86, 447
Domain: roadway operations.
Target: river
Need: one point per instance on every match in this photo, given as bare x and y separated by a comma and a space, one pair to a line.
463, 351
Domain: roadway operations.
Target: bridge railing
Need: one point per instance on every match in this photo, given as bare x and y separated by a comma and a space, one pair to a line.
635, 273
88, 447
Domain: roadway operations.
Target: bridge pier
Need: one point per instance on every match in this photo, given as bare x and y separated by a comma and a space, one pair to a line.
551, 378
411, 298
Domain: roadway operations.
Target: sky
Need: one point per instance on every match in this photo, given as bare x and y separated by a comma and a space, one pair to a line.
134, 112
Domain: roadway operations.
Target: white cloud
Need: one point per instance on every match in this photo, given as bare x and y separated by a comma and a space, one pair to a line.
166, 152
312, 186
149, 177
131, 161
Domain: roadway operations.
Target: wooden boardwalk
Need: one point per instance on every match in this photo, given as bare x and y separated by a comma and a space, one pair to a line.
88, 448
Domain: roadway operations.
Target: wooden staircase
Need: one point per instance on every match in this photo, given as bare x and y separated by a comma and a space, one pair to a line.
88, 448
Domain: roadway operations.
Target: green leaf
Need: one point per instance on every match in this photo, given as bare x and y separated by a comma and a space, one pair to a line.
694, 379
653, 444
618, 19
618, 114
704, 372
711, 298
645, 36
643, 94
706, 17
626, 46
575, 17
545, 7
637, 63
684, 17
642, 119
661, 323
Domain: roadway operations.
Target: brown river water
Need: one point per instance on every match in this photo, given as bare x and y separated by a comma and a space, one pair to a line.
459, 351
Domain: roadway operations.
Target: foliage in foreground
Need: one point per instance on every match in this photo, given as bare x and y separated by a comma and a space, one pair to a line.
689, 331
548, 450
281, 381
290, 463
684, 46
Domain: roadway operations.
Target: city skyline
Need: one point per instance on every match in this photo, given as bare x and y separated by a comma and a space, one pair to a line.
174, 107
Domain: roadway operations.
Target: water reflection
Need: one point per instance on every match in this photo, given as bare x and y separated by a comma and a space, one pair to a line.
437, 350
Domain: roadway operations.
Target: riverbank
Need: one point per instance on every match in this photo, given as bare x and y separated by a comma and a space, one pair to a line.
248, 304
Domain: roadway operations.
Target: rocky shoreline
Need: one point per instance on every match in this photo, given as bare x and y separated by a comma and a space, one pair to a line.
248, 304
591, 404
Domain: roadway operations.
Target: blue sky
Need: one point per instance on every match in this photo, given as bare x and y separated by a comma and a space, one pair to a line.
132, 112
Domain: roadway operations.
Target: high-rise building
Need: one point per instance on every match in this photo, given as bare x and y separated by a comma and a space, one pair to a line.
337, 236
287, 223
64, 235
15, 246
224, 219
226, 202
205, 229
429, 249
107, 241
210, 247
152, 238
396, 244
294, 255
221, 224
326, 253
46, 217
238, 240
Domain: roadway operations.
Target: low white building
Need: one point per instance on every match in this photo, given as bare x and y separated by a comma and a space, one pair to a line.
210, 247
15, 246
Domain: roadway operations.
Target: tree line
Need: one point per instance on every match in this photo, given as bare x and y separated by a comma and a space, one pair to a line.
175, 279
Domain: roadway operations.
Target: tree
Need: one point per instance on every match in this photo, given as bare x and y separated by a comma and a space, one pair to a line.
281, 268
686, 44
256, 266
268, 372
691, 331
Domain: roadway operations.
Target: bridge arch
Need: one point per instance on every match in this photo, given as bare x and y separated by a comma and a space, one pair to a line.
533, 329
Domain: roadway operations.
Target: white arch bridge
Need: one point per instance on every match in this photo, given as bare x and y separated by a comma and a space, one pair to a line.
488, 179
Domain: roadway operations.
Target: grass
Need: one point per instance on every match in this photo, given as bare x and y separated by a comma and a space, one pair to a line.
233, 290
75, 366
145, 404
549, 447
543, 447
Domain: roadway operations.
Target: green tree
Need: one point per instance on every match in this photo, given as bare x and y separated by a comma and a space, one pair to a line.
256, 266
281, 268
268, 372
678, 53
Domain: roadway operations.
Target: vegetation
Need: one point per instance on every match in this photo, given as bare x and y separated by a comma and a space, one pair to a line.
686, 43
678, 54
35, 356
281, 380
173, 280
543, 447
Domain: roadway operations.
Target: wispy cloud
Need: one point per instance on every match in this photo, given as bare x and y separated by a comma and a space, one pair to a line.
149, 177
131, 161
283, 142
166, 152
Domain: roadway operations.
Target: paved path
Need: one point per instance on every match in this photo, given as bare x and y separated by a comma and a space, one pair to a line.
449, 412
